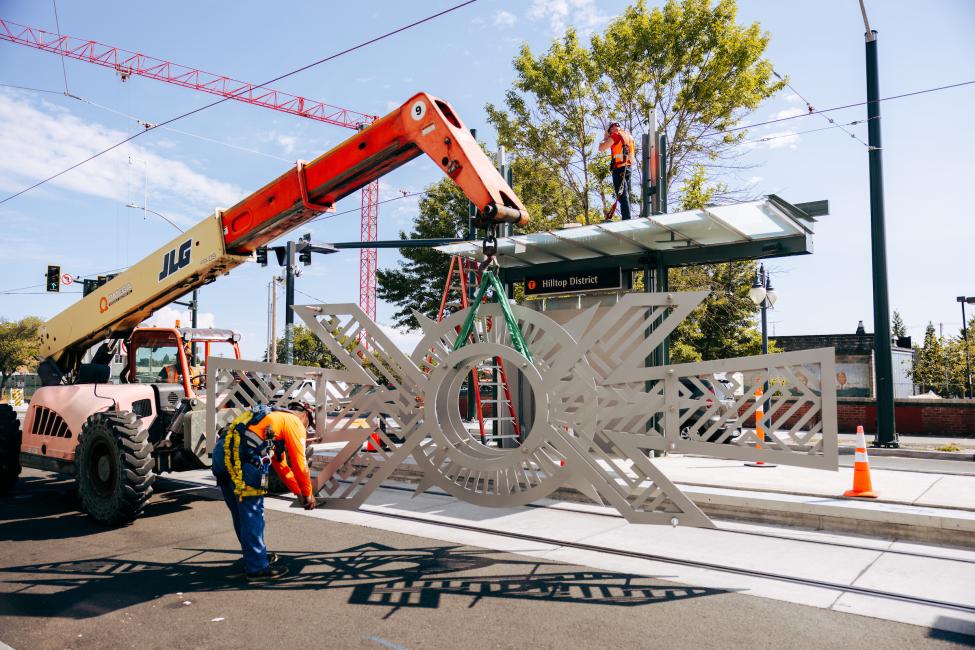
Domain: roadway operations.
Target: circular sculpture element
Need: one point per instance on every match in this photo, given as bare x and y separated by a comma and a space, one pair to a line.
458, 462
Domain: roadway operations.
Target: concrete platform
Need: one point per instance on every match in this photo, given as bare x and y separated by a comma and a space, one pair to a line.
916, 507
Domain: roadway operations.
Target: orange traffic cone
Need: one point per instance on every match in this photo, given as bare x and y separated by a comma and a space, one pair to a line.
862, 486
373, 443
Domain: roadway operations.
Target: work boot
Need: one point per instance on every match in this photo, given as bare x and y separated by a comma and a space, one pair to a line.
238, 571
267, 575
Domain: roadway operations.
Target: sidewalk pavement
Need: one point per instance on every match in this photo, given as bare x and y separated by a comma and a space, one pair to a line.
912, 506
915, 442
907, 488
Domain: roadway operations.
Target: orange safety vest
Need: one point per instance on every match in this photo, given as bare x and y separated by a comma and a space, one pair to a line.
622, 149
172, 375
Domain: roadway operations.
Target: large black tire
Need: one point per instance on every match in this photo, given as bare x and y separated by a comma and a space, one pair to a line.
114, 467
9, 449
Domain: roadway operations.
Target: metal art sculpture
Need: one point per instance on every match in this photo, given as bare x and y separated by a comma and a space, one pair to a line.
595, 411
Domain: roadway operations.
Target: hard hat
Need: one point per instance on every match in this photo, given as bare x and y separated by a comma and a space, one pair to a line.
301, 405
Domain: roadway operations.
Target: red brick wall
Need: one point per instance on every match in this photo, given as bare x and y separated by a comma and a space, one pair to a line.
925, 417
789, 422
947, 417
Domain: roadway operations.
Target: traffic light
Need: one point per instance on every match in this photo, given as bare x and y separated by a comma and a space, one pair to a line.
304, 249
90, 284
53, 278
261, 255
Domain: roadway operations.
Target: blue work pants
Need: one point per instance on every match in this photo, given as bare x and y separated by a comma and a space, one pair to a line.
248, 516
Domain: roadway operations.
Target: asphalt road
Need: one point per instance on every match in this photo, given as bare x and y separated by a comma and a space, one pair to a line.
163, 582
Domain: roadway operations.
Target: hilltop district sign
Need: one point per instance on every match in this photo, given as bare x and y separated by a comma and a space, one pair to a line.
573, 282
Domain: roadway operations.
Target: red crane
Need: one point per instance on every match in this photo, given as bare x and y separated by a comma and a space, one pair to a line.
126, 64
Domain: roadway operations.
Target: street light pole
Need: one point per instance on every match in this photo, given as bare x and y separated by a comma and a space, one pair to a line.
883, 361
763, 295
964, 334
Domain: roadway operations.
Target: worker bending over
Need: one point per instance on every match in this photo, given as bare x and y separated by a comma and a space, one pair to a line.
251, 446
620, 143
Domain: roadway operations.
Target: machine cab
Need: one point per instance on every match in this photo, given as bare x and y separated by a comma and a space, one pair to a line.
172, 355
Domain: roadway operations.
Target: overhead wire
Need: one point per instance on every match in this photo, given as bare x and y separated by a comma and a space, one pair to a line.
811, 109
146, 123
395, 198
64, 69
224, 99
795, 133
579, 163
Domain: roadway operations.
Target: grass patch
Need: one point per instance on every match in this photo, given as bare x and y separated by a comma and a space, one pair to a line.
949, 447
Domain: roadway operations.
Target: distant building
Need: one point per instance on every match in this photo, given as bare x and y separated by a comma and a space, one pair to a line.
855, 376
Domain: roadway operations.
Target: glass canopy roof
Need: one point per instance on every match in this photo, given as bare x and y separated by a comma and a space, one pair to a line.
762, 221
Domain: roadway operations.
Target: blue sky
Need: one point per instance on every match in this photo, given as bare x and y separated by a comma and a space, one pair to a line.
219, 155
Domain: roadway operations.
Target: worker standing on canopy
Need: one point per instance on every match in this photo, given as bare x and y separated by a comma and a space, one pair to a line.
254, 443
620, 143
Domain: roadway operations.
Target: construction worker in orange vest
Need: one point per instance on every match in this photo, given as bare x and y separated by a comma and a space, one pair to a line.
620, 143
172, 374
275, 442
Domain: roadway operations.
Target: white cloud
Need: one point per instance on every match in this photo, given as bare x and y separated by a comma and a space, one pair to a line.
505, 18
755, 180
789, 112
584, 15
405, 340
781, 139
40, 139
287, 142
167, 317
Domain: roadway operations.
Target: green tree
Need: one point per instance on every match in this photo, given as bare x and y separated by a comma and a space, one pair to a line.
19, 345
309, 350
419, 281
897, 327
931, 371
723, 326
690, 61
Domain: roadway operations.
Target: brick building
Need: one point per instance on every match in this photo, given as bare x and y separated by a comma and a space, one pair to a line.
855, 360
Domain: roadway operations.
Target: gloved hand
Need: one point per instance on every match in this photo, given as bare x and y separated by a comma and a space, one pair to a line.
309, 502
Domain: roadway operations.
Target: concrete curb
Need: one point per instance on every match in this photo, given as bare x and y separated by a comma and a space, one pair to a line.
965, 456
915, 524
870, 518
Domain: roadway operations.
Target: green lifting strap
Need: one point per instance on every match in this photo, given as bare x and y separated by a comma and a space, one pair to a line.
488, 280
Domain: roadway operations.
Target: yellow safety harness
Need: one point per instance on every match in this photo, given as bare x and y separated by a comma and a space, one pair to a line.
231, 450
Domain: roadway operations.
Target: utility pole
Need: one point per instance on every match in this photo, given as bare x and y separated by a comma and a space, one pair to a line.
288, 256
289, 301
883, 362
272, 348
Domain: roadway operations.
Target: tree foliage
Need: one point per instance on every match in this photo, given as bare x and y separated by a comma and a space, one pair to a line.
419, 281
939, 363
689, 60
897, 327
723, 326
308, 350
19, 346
